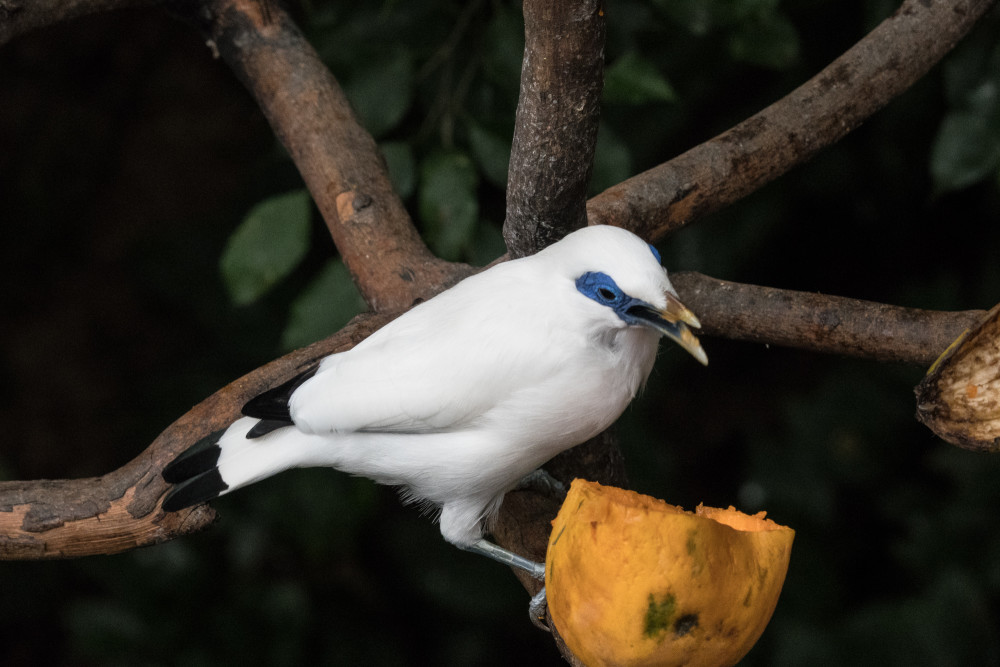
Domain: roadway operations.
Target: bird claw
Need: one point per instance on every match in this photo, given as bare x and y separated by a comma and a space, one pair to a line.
541, 481
537, 610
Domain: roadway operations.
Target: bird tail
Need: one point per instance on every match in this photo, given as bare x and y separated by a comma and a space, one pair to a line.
225, 461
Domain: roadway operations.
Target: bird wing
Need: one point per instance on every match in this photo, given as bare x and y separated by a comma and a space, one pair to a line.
441, 366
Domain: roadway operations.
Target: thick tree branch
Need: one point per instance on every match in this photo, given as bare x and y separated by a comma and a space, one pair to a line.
820, 112
119, 511
557, 118
552, 155
820, 323
20, 16
44, 519
339, 161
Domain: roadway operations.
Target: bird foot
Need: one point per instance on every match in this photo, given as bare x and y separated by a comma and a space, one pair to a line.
537, 610
541, 481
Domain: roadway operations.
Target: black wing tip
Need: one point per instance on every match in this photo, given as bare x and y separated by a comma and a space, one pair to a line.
265, 426
206, 486
200, 457
272, 405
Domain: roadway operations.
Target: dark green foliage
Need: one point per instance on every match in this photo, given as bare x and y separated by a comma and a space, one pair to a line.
130, 159
967, 147
267, 246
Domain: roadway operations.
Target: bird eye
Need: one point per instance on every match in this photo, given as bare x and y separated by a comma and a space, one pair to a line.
602, 289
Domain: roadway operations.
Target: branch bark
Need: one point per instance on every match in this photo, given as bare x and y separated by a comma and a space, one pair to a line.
338, 160
20, 16
821, 323
555, 132
49, 519
741, 160
552, 155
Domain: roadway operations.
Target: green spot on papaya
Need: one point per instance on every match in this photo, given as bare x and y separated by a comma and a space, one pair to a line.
659, 615
695, 552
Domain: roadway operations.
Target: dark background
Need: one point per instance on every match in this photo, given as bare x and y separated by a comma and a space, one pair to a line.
128, 156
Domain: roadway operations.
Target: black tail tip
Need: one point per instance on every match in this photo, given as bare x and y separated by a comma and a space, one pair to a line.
199, 458
206, 486
194, 474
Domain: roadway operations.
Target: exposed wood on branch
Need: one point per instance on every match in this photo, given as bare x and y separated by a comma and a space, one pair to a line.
119, 511
820, 112
45, 519
48, 519
557, 118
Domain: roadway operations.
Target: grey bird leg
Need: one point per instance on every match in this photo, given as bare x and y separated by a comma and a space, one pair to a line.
501, 555
538, 604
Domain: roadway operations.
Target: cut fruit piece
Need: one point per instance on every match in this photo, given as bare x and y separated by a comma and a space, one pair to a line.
632, 580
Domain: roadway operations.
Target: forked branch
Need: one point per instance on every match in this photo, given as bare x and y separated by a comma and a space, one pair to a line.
46, 519
818, 113
338, 160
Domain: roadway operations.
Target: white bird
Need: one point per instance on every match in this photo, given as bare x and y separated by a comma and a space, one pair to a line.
469, 392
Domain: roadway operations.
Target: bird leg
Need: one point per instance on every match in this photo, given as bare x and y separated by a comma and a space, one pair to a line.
538, 604
507, 557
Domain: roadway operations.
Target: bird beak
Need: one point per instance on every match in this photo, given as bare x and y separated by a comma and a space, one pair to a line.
673, 322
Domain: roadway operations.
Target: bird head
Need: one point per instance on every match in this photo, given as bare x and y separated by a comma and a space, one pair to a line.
618, 270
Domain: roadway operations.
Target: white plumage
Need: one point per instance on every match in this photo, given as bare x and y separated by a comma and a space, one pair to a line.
464, 395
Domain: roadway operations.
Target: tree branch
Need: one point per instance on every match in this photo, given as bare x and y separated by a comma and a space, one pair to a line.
552, 156
820, 323
820, 112
119, 511
555, 133
46, 519
50, 519
338, 160
20, 16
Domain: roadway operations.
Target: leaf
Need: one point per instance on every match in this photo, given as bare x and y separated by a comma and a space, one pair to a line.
973, 62
634, 80
380, 92
324, 306
966, 150
612, 160
402, 167
696, 16
699, 17
491, 152
487, 245
770, 41
267, 246
448, 204
737, 11
503, 48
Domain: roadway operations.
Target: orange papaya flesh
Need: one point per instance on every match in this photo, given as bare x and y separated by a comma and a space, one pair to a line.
634, 581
